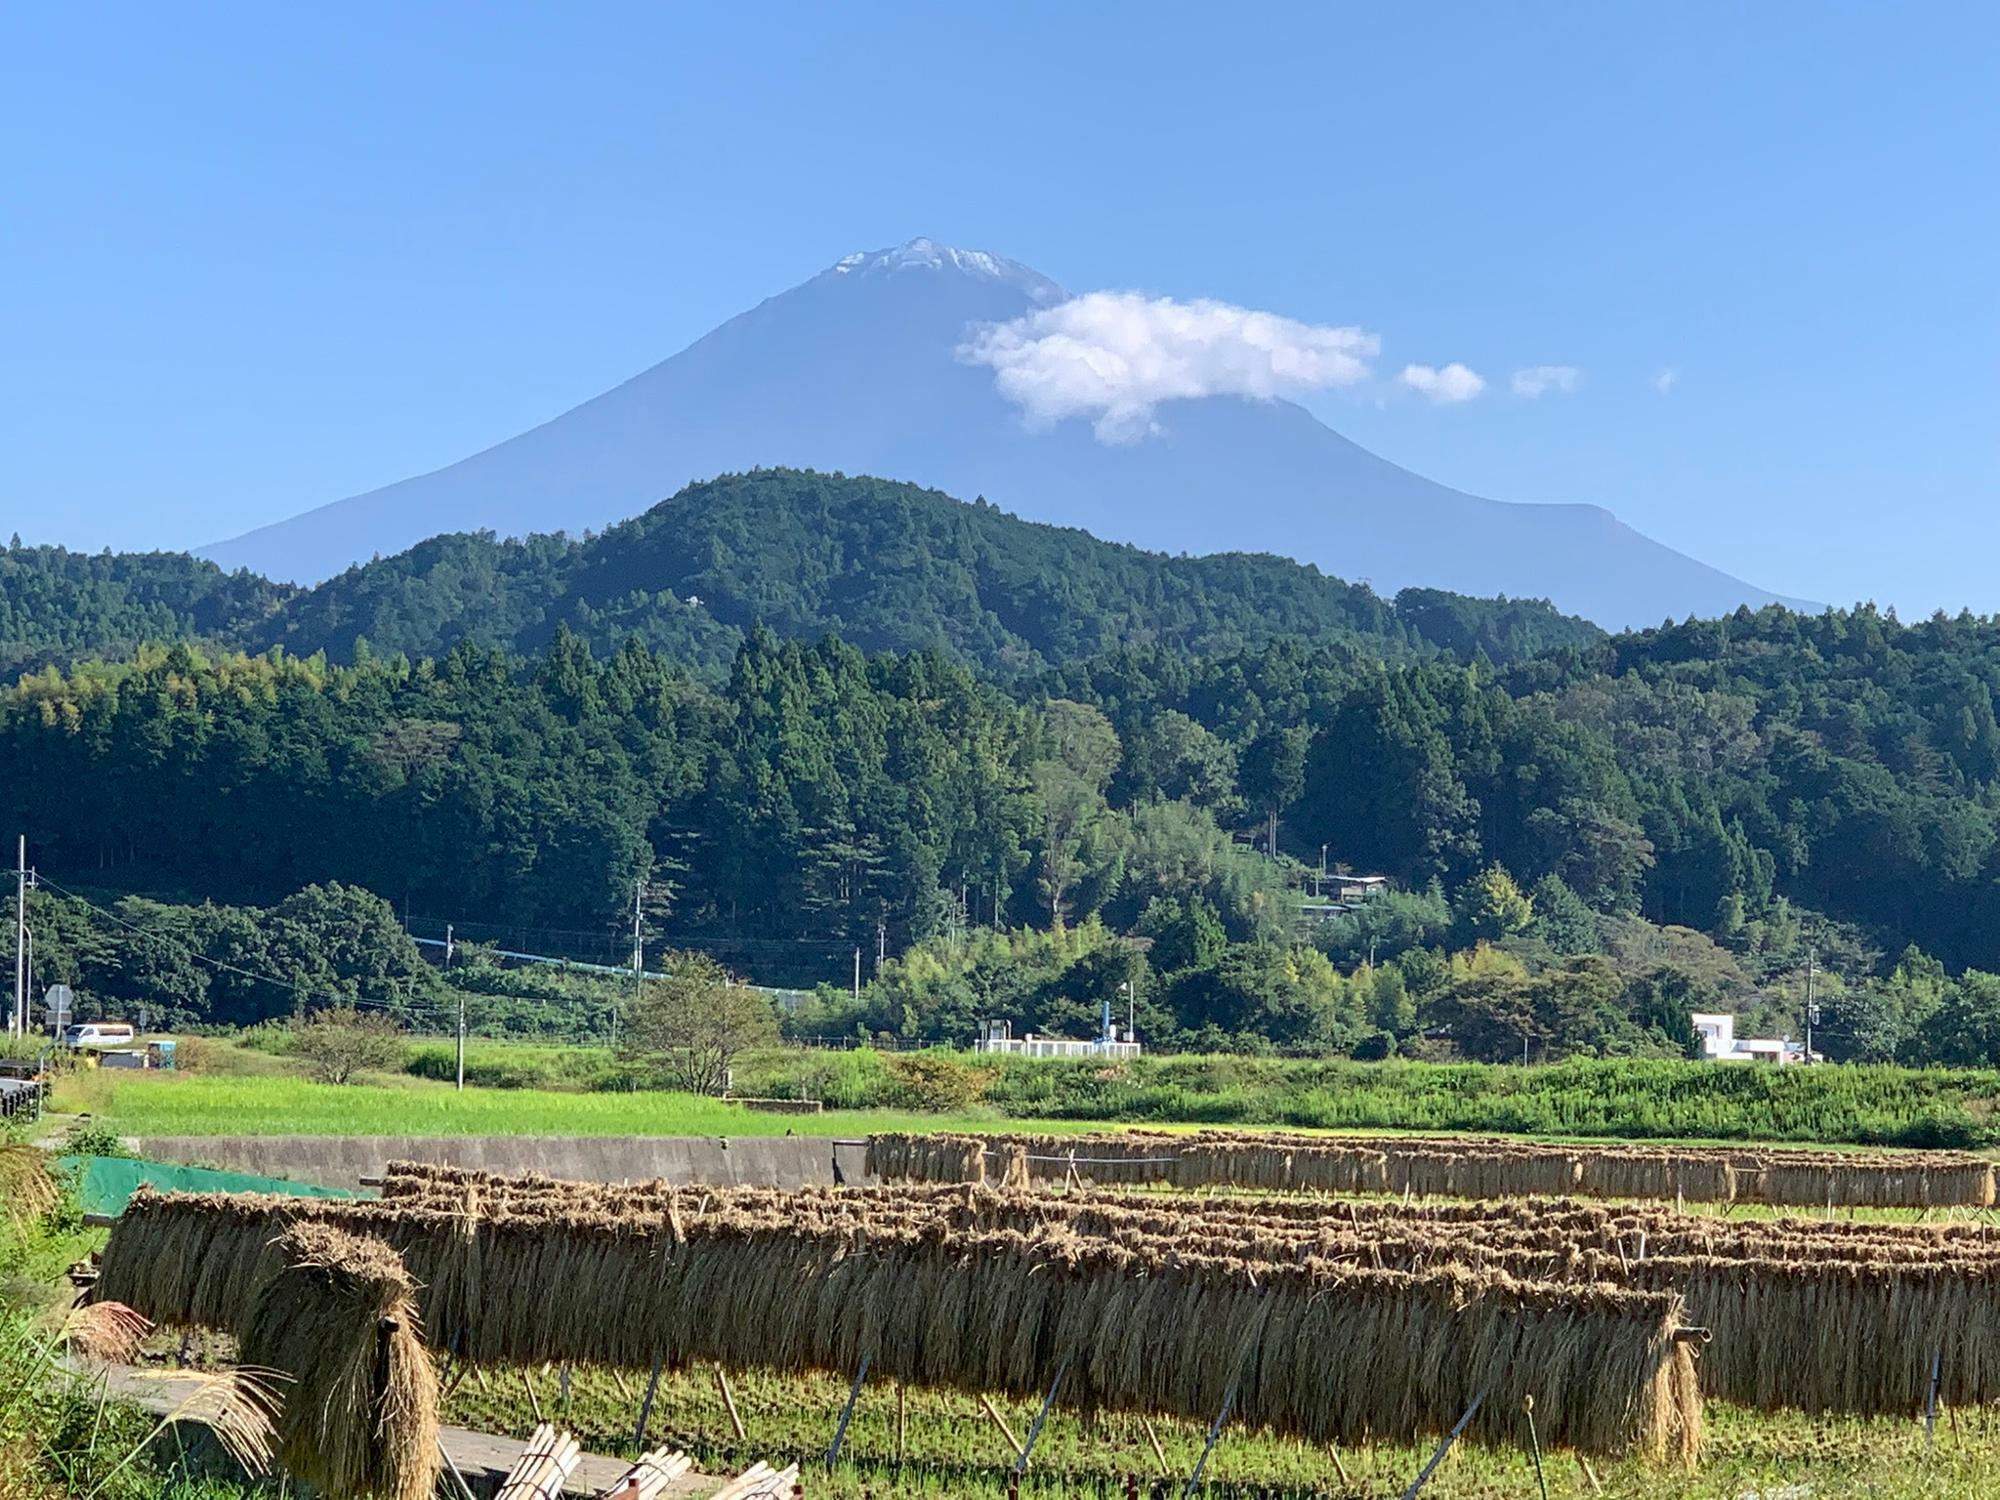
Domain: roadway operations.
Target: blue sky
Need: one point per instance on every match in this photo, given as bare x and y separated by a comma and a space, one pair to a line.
258, 258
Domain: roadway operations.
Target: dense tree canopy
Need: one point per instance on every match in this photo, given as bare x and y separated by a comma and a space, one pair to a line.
1067, 736
58, 606
889, 567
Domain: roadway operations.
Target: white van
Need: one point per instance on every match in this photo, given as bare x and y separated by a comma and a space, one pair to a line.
100, 1034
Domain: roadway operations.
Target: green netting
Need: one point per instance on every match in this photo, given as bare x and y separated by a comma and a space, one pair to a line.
108, 1182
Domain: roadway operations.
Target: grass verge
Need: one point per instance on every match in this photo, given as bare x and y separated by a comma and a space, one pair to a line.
156, 1104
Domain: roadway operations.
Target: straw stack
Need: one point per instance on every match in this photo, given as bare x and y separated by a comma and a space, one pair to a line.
339, 1316
1148, 1293
1438, 1167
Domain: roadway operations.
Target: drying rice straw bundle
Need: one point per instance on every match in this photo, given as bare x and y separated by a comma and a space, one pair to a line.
186, 1259
452, 1299
898, 1157
1469, 1167
1016, 1176
340, 1317
27, 1191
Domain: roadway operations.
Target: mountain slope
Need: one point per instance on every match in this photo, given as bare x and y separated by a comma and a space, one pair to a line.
855, 371
887, 566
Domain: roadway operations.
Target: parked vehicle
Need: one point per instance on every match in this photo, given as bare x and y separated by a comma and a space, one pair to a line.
98, 1035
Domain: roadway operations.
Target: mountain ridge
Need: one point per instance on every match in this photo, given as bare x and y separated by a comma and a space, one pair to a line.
882, 564
856, 371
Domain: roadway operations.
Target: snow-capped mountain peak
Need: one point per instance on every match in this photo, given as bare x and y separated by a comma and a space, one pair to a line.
926, 254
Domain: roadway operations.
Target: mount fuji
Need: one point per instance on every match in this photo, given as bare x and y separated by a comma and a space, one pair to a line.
858, 370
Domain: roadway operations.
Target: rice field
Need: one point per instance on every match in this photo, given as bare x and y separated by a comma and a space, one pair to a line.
155, 1104
953, 1451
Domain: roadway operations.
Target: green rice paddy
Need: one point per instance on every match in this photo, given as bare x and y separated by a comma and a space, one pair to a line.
952, 1450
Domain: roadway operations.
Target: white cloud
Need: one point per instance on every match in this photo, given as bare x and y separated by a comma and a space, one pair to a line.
1453, 383
1539, 380
1666, 380
1116, 356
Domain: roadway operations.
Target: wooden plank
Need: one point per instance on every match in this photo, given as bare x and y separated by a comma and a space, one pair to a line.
483, 1458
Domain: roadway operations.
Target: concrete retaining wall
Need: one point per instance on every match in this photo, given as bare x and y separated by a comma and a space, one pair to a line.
343, 1160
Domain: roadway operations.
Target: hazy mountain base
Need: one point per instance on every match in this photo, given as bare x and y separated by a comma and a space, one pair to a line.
859, 370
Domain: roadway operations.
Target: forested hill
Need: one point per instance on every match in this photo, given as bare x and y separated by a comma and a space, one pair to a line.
58, 606
1736, 782
884, 565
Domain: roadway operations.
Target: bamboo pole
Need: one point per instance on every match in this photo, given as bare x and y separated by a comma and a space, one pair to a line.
534, 1401
1008, 1432
1346, 1480
1160, 1454
1930, 1409
646, 1406
728, 1400
1445, 1447
902, 1420
451, 1467
544, 1466
1042, 1416
1535, 1445
649, 1477
1214, 1432
847, 1414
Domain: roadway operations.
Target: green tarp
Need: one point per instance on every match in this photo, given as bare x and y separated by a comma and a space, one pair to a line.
108, 1182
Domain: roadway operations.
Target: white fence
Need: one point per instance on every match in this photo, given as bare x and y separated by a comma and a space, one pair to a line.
1055, 1046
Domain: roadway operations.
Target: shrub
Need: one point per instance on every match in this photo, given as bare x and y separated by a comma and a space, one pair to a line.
90, 1139
935, 1081
337, 1044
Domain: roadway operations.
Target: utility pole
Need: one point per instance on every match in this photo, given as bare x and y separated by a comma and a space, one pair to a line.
857, 971
461, 1010
1322, 872
638, 957
17, 1018
1812, 1009
881, 946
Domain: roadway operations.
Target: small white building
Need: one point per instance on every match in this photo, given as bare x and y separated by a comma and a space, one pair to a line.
998, 1036
1720, 1043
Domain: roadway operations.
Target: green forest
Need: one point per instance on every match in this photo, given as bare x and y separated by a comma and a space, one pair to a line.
1028, 768
888, 567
